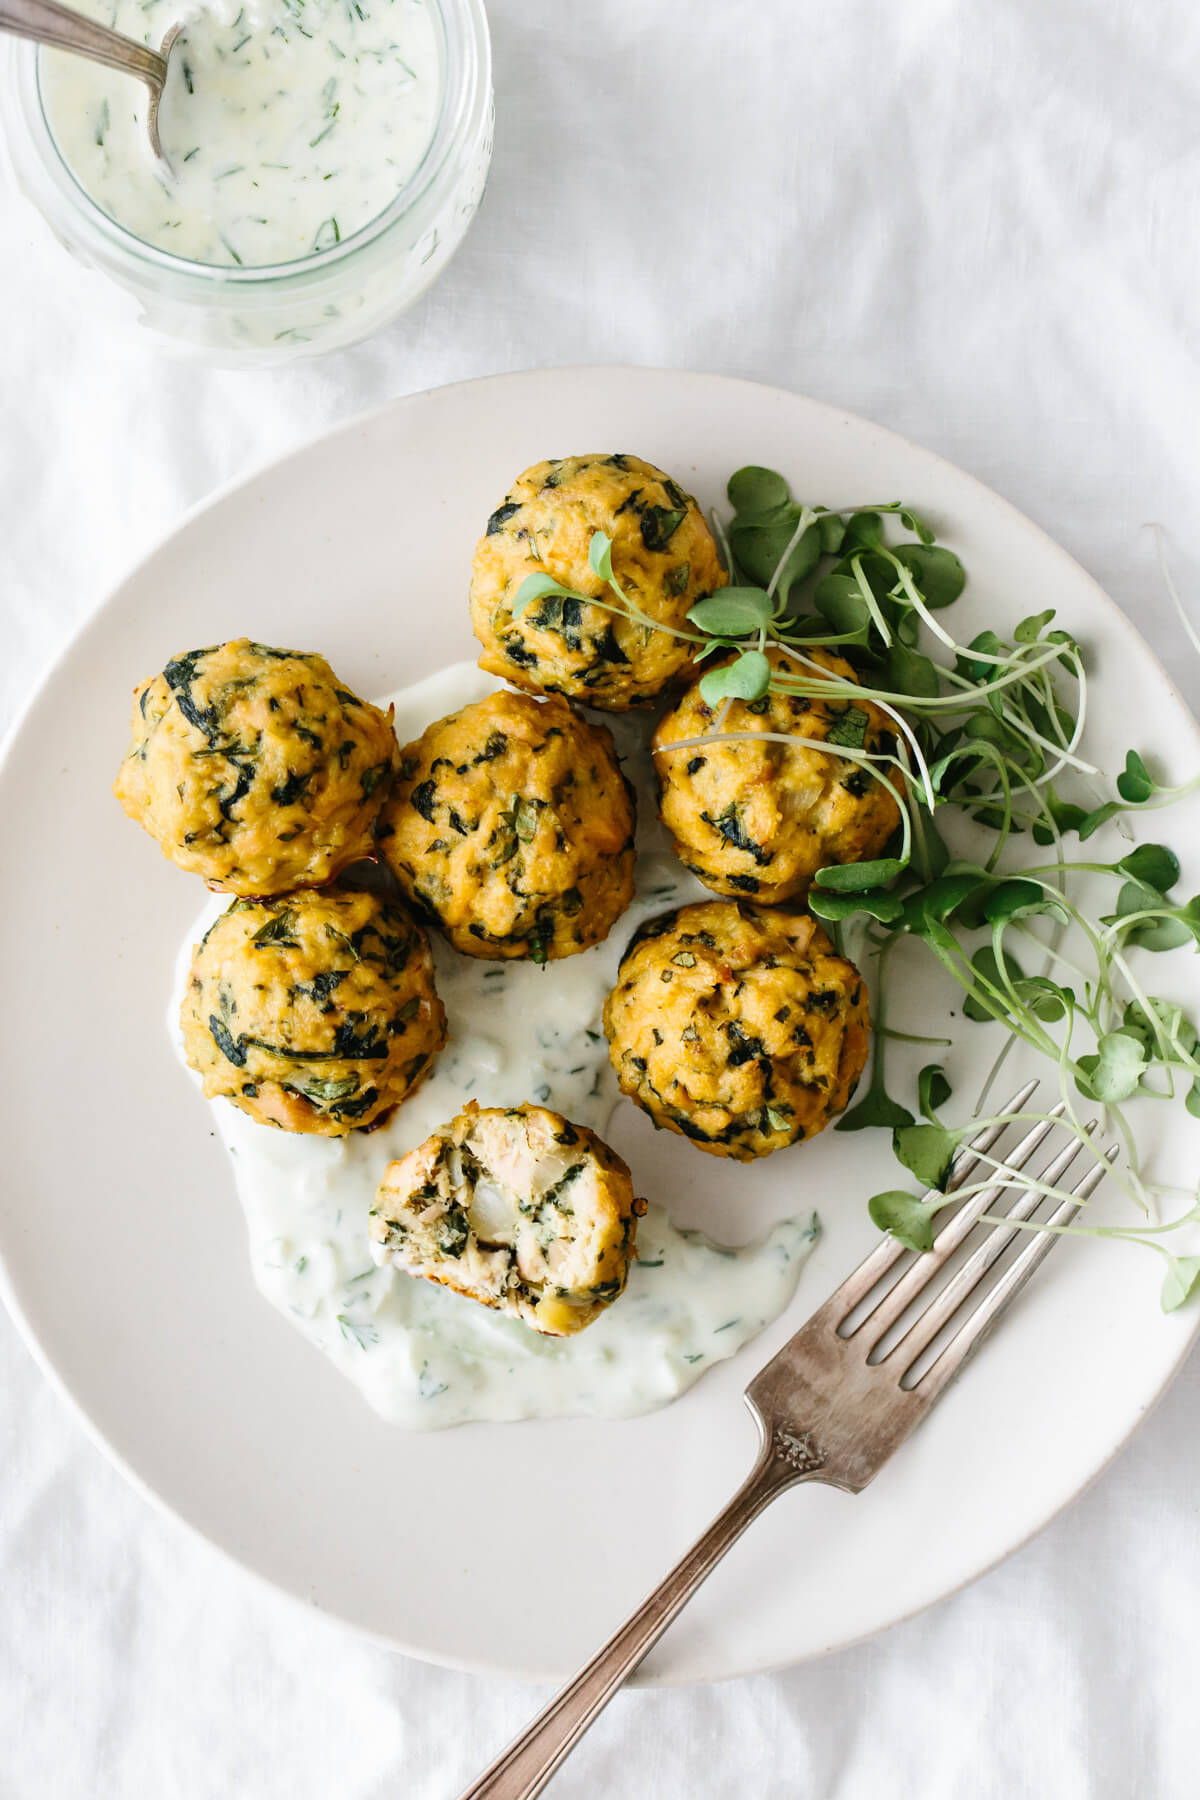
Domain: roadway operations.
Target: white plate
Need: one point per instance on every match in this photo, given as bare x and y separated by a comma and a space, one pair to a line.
504, 1548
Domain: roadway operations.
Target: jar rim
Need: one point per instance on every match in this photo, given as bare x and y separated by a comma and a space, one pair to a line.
465, 55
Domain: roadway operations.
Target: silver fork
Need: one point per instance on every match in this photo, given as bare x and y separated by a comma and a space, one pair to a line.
832, 1406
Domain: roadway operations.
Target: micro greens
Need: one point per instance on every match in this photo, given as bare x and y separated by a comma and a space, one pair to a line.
986, 735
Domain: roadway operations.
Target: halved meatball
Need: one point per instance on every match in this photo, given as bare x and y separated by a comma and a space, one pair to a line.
315, 1012
511, 823
762, 818
516, 1208
663, 558
738, 1027
256, 768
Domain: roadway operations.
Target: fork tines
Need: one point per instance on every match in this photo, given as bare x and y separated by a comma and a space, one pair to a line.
847, 1388
895, 1329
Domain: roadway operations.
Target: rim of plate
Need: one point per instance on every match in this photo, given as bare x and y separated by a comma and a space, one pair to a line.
94, 620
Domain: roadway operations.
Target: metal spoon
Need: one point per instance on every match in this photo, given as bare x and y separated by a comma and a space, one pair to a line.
49, 23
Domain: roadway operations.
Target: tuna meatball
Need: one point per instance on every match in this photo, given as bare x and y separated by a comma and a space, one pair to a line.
762, 818
255, 768
736, 1026
515, 1208
511, 823
315, 1012
663, 560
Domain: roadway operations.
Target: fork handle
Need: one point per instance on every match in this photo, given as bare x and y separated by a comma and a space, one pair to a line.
526, 1766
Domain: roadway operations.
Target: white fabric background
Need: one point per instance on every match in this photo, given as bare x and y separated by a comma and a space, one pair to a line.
975, 222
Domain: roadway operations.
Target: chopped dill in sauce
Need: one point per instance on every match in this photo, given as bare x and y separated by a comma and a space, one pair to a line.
288, 125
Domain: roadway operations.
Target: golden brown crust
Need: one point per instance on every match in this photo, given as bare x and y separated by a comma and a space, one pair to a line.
663, 557
511, 824
516, 1208
315, 1012
737, 1026
256, 768
759, 819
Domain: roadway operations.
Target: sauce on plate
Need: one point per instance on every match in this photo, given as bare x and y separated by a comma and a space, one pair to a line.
424, 1357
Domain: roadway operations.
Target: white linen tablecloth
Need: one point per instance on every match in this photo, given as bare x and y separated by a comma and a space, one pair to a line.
975, 222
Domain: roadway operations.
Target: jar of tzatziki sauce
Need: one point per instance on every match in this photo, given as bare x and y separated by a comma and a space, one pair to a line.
325, 157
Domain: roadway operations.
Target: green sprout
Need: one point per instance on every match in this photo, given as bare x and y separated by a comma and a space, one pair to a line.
986, 761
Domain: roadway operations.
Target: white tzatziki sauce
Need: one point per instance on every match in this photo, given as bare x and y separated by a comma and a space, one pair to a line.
421, 1355
288, 125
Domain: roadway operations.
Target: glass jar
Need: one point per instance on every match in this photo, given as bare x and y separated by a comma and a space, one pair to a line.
262, 317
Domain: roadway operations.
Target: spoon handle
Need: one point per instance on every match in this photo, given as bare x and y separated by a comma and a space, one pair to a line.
49, 23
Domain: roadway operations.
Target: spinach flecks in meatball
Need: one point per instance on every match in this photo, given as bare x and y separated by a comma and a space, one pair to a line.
737, 1026
307, 1016
577, 639
232, 767
512, 824
515, 1208
659, 525
763, 815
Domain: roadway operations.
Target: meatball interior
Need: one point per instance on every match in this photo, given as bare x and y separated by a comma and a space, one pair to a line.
762, 818
663, 558
511, 822
739, 1027
315, 1012
256, 768
517, 1209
